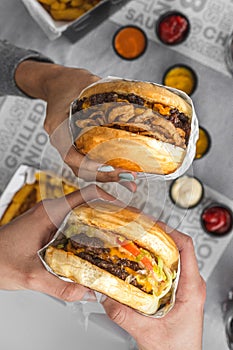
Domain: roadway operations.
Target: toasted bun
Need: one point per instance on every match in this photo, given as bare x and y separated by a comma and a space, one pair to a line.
129, 151
81, 271
148, 91
131, 224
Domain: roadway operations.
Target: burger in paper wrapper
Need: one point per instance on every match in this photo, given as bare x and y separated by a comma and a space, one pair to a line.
119, 252
135, 125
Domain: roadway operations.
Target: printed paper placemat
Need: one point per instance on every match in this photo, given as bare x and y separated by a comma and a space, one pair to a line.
211, 23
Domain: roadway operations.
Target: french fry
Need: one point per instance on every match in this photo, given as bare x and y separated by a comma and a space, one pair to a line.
47, 2
58, 5
68, 10
45, 186
21, 202
68, 14
51, 186
76, 3
87, 6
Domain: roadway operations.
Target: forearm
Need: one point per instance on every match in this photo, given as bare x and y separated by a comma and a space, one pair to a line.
11, 58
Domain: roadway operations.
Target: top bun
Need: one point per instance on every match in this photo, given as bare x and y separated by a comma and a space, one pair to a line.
146, 90
132, 224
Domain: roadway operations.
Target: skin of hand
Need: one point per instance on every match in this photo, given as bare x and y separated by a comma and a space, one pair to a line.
59, 86
182, 327
20, 240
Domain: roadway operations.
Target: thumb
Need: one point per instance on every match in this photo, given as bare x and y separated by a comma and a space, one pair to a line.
124, 316
57, 209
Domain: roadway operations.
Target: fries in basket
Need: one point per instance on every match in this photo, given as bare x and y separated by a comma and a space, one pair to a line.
67, 10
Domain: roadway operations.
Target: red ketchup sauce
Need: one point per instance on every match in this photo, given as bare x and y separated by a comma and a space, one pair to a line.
173, 29
217, 219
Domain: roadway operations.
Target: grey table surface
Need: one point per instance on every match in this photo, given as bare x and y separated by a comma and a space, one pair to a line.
27, 318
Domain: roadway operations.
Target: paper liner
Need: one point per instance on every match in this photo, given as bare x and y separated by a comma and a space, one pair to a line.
53, 29
160, 312
194, 134
23, 175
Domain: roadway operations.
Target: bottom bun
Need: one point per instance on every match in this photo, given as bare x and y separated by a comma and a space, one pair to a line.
68, 265
130, 151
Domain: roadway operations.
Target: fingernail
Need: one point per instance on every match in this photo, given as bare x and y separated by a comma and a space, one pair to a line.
126, 176
106, 168
125, 180
89, 296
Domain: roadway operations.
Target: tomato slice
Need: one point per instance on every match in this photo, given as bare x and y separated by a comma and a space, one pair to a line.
133, 249
146, 262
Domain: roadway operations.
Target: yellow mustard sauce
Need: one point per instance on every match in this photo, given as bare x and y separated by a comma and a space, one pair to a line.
181, 78
203, 144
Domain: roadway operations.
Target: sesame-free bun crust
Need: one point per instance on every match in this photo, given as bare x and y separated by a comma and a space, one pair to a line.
130, 151
148, 91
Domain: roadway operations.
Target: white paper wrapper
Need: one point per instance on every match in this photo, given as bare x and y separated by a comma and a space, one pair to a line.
191, 148
53, 29
23, 175
160, 313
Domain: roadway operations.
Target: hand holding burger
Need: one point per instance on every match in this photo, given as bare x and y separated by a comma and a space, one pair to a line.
135, 125
182, 327
20, 266
59, 86
117, 251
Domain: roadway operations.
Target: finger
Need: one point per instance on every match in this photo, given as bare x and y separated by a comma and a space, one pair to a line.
190, 275
179, 238
79, 162
125, 317
61, 138
117, 175
110, 177
90, 170
130, 185
52, 285
57, 209
81, 165
92, 192
190, 278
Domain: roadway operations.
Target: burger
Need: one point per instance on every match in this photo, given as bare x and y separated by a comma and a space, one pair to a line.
138, 126
117, 251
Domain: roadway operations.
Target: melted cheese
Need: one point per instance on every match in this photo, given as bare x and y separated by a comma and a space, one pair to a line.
86, 104
162, 109
120, 253
115, 254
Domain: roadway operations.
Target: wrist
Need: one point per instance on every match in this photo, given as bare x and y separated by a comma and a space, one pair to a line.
32, 77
